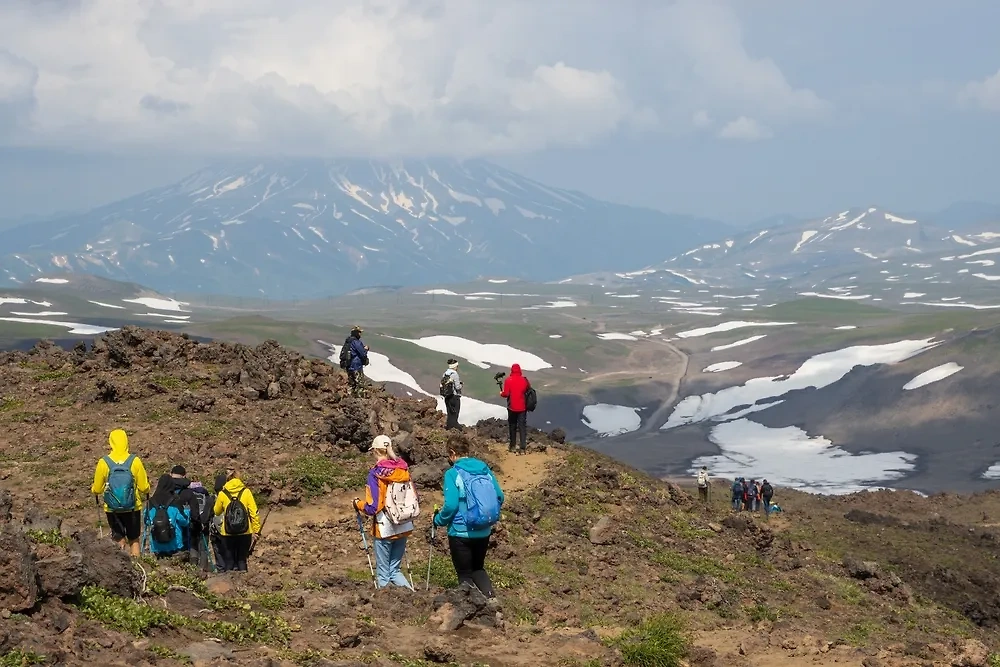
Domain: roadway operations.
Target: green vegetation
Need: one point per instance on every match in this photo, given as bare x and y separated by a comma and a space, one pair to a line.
859, 633
9, 403
994, 660
51, 376
658, 642
270, 601
762, 612
316, 474
813, 309
168, 653
21, 658
53, 537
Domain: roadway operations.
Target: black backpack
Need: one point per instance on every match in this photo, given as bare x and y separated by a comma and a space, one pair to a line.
447, 386
162, 528
205, 509
237, 519
530, 399
767, 490
345, 353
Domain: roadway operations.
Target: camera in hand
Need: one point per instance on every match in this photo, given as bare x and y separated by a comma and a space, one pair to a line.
498, 378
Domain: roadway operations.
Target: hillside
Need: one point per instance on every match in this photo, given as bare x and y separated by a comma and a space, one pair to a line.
588, 556
308, 228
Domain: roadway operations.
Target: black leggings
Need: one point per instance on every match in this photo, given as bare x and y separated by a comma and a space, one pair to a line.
468, 555
238, 548
518, 423
453, 406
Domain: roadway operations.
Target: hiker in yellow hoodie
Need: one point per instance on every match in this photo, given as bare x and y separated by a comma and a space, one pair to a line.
121, 479
240, 521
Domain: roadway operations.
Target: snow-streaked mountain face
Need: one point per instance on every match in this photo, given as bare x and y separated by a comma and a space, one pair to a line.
866, 245
311, 227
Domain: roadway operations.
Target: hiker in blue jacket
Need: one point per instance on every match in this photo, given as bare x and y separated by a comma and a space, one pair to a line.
469, 478
359, 359
166, 523
738, 494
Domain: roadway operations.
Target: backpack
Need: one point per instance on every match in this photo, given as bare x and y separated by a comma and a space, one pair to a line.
119, 491
752, 491
481, 502
237, 518
401, 503
767, 490
737, 489
447, 386
702, 479
346, 355
204, 506
530, 399
162, 528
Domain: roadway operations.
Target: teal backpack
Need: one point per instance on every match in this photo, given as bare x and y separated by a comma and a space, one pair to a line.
119, 492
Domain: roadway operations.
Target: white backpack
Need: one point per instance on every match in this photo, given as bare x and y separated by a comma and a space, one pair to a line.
401, 508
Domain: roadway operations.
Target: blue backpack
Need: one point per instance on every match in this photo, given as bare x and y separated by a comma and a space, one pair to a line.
481, 501
119, 491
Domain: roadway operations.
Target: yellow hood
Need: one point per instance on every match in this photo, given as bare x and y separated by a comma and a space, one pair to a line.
119, 445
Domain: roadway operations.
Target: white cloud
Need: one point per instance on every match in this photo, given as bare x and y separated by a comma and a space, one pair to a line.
744, 129
985, 93
701, 119
390, 77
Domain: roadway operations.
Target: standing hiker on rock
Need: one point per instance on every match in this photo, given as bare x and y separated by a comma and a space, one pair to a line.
753, 495
472, 503
703, 484
240, 521
391, 500
451, 390
766, 493
166, 522
737, 491
121, 479
515, 390
353, 359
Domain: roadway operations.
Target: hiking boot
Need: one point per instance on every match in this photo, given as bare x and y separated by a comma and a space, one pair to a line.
511, 449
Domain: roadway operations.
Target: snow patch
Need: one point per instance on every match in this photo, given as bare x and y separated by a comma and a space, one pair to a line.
729, 326
481, 354
903, 221
159, 304
913, 295
616, 336
610, 420
107, 305
844, 297
933, 375
806, 235
74, 327
958, 239
745, 341
722, 366
52, 281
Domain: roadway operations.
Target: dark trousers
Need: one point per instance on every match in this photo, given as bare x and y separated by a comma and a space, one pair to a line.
198, 545
238, 547
517, 422
468, 555
452, 405
223, 559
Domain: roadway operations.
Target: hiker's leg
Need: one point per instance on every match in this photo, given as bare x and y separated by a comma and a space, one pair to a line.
239, 548
383, 562
223, 562
458, 411
452, 410
131, 525
194, 543
522, 426
461, 558
512, 428
478, 548
397, 549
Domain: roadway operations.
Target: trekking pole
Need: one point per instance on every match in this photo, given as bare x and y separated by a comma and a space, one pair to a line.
364, 545
260, 533
100, 524
430, 549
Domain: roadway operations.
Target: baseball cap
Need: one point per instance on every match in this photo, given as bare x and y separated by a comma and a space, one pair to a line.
381, 442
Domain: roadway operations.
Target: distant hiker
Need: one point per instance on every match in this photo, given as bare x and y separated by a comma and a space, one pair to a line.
515, 389
746, 493
391, 499
472, 503
353, 359
183, 498
766, 493
240, 521
753, 496
451, 390
121, 479
737, 494
223, 560
166, 523
703, 483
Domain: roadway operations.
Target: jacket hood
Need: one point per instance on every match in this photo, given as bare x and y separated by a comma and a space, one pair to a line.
515, 370
181, 483
118, 441
234, 485
392, 471
471, 465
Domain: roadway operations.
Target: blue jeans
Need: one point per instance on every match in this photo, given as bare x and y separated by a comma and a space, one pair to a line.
389, 562
767, 506
737, 504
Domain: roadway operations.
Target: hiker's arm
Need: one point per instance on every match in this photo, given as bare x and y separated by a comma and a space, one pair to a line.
450, 508
182, 518
254, 514
370, 503
505, 392
219, 507
100, 477
141, 479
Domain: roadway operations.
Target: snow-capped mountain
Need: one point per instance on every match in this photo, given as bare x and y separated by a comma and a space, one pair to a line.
866, 244
313, 227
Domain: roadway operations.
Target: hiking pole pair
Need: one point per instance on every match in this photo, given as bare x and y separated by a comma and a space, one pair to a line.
430, 549
364, 544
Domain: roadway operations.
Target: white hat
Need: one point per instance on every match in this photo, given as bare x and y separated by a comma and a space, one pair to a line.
381, 442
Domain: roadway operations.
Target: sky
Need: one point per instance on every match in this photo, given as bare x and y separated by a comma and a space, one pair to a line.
732, 109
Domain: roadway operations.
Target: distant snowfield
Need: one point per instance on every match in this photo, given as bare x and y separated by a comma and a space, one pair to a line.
74, 327
159, 304
846, 327
729, 326
935, 374
843, 297
819, 371
610, 420
553, 304
722, 366
107, 305
481, 354
616, 336
23, 302
381, 369
745, 341
498, 281
790, 457
44, 313
993, 472
555, 336
52, 281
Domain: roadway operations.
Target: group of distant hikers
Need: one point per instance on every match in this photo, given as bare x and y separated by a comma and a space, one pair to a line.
745, 496
521, 396
181, 516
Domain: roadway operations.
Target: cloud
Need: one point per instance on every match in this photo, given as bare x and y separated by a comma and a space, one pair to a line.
744, 129
376, 77
985, 93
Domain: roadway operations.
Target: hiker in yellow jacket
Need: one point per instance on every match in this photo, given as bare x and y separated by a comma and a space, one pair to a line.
121, 479
240, 523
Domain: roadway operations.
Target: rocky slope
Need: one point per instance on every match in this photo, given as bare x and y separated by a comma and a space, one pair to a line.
596, 564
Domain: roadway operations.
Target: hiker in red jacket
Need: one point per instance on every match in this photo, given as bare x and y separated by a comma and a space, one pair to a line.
514, 389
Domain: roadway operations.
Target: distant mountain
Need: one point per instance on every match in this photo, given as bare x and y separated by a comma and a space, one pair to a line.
967, 215
303, 228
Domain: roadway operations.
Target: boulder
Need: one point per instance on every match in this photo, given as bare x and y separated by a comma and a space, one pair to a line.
62, 574
18, 577
603, 531
463, 605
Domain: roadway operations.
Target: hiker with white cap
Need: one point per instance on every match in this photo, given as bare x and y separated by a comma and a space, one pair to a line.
391, 500
451, 390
